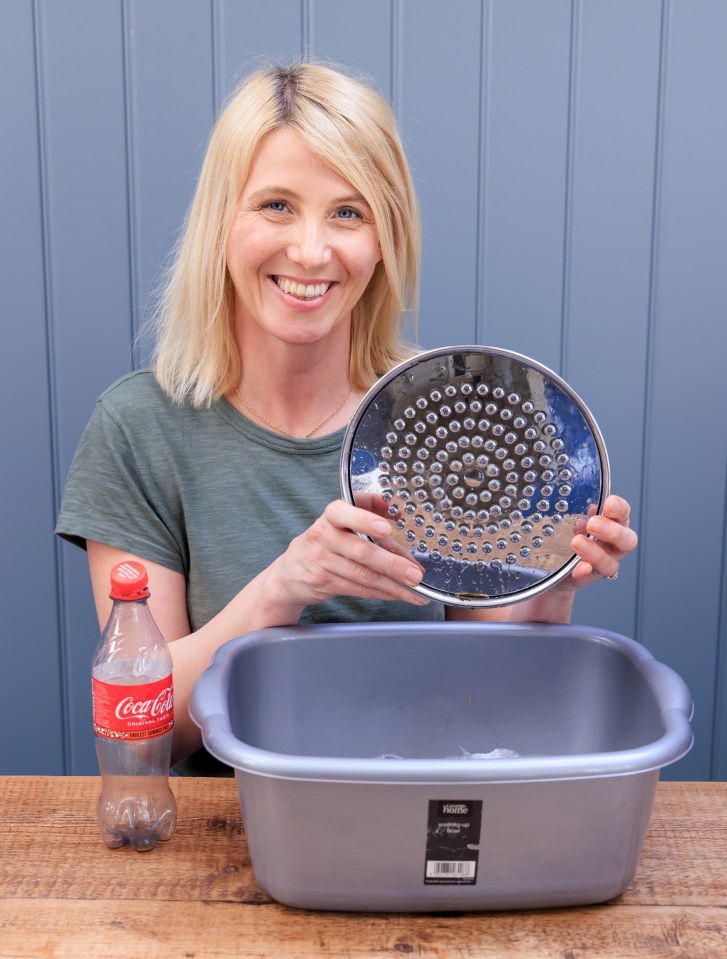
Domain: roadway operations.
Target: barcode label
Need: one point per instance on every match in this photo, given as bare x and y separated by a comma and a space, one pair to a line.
454, 870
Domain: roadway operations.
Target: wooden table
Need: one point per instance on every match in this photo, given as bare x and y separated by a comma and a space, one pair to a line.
63, 894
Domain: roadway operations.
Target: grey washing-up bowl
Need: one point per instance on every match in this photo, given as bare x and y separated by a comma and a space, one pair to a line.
352, 747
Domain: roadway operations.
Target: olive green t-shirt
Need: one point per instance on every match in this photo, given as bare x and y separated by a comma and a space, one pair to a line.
207, 493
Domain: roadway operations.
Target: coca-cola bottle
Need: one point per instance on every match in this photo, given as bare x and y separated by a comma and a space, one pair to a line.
133, 716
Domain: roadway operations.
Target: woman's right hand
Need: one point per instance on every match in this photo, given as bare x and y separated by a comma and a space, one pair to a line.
330, 559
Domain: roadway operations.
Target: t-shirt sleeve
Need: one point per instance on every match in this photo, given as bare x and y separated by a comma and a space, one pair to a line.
117, 495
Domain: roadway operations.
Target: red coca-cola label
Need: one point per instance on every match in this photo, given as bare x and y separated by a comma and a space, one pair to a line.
133, 712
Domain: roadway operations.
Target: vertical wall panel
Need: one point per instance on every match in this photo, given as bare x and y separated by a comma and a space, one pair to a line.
30, 678
169, 84
441, 137
609, 248
686, 443
526, 137
89, 291
355, 35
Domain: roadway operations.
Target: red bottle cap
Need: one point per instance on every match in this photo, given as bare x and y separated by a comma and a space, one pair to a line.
129, 581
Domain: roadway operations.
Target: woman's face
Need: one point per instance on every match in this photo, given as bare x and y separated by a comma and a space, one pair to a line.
302, 247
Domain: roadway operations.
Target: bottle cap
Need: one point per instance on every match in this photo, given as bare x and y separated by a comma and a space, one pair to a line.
129, 581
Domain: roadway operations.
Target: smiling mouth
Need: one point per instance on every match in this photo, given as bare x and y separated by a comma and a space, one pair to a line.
302, 291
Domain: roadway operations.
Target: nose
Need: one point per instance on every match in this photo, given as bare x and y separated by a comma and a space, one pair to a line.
308, 245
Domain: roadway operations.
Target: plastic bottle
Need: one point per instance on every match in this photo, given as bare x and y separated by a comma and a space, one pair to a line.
133, 718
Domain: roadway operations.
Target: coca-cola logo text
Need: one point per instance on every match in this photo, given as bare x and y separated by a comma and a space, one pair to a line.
131, 708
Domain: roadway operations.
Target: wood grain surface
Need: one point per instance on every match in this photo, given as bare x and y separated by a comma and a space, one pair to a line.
63, 894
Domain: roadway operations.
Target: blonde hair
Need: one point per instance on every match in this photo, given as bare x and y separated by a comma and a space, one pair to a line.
349, 126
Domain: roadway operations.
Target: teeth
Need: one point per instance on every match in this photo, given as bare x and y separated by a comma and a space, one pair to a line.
300, 289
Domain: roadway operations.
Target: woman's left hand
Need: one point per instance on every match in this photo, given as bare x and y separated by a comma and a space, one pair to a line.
602, 542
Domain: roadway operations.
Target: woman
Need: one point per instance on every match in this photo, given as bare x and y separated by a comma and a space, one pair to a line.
219, 467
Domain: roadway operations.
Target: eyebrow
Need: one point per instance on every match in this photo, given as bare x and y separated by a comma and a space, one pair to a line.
280, 191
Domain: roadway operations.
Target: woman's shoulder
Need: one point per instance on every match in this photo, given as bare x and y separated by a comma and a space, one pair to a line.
139, 394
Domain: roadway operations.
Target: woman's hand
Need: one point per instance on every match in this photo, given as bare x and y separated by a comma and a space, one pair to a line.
329, 559
605, 539
602, 542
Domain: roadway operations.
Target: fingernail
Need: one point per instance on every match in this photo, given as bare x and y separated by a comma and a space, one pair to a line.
596, 525
413, 575
381, 527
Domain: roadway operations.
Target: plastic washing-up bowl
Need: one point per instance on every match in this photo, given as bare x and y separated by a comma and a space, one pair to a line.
420, 767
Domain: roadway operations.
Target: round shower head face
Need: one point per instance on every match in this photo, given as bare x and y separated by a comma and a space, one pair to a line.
486, 463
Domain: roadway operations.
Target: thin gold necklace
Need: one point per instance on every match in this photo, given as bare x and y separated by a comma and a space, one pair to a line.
279, 429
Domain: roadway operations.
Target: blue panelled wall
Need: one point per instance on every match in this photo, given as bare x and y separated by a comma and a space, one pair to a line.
570, 157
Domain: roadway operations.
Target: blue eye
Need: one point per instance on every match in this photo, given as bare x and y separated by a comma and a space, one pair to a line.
349, 213
277, 206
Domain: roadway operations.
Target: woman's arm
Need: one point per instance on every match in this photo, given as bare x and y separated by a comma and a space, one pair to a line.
606, 539
327, 560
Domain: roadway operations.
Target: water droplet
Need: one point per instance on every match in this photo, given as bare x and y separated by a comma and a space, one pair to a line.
511, 559
404, 452
419, 426
530, 433
431, 417
482, 389
526, 462
469, 423
562, 459
564, 490
543, 504
520, 449
410, 536
506, 414
510, 438
457, 511
450, 390
483, 425
561, 506
540, 417
454, 426
528, 406
475, 406
445, 410
537, 541
466, 389
487, 547
491, 409
519, 422
548, 530
549, 429
418, 521
458, 492
393, 511
498, 392
435, 396
546, 490
528, 491
471, 547
545, 460
460, 407
449, 525
423, 452
386, 452
456, 546
485, 496
557, 443
451, 446
498, 429
501, 543
539, 446
441, 456
421, 402
409, 412
527, 527
515, 537
417, 481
